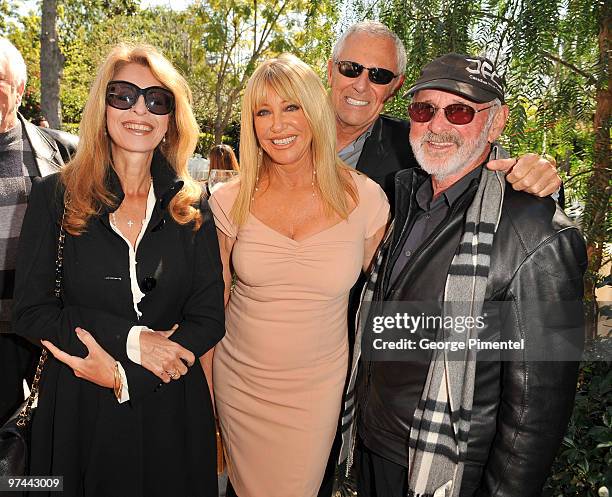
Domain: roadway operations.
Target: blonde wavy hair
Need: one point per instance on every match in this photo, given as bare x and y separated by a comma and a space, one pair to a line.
85, 175
294, 81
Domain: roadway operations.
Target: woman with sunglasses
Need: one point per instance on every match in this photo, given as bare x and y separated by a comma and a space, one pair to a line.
298, 226
121, 410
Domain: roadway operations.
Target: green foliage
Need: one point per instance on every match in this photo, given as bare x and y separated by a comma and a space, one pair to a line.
25, 36
7, 11
584, 463
71, 128
216, 45
207, 140
230, 38
554, 68
78, 16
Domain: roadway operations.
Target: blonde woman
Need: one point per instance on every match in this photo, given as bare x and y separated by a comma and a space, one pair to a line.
297, 227
121, 411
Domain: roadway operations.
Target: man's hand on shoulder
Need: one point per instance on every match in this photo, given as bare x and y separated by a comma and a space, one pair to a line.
530, 173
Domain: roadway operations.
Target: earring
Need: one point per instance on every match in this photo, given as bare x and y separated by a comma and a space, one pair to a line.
164, 139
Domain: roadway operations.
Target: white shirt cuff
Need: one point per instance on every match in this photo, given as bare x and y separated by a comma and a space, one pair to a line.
133, 343
125, 393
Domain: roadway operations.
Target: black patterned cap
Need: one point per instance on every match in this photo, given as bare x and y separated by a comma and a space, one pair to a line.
474, 78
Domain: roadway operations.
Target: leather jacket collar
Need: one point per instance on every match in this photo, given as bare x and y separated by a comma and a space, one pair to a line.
46, 154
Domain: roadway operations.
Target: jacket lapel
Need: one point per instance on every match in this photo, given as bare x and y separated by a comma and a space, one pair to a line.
374, 151
46, 154
166, 185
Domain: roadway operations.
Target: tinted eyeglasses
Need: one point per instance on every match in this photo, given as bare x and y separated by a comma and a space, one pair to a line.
123, 95
459, 114
376, 75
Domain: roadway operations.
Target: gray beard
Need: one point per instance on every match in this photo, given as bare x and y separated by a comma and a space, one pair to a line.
467, 153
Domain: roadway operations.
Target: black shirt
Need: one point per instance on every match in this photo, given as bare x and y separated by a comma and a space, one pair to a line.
431, 213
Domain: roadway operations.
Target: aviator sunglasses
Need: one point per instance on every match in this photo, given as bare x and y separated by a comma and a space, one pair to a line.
459, 114
376, 75
123, 95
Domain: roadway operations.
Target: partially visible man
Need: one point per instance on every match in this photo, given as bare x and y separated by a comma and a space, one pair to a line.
432, 424
26, 151
41, 121
365, 71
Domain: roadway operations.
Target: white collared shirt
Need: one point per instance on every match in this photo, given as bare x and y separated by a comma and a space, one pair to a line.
133, 340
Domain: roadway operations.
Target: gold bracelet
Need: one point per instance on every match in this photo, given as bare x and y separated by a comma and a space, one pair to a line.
117, 384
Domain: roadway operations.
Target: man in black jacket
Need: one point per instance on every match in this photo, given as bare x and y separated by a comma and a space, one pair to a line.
432, 424
26, 151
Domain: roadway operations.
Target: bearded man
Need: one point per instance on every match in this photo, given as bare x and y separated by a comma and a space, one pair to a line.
473, 424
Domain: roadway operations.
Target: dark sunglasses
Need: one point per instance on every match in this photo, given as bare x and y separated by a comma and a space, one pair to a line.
459, 114
123, 95
376, 75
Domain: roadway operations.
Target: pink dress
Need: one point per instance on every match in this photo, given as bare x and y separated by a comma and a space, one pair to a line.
280, 370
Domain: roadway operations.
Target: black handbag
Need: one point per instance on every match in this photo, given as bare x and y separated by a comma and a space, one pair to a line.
15, 433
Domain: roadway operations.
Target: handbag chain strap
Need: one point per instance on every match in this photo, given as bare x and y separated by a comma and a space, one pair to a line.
26, 412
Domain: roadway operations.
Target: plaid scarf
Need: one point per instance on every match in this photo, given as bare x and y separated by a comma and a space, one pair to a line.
441, 422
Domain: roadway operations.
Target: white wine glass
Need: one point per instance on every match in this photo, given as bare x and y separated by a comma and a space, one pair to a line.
216, 177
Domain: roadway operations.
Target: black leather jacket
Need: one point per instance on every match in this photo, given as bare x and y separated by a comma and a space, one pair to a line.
51, 148
521, 408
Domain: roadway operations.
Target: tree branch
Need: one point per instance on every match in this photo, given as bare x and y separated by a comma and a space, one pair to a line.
582, 173
589, 77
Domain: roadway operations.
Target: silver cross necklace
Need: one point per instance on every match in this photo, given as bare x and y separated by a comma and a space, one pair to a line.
129, 222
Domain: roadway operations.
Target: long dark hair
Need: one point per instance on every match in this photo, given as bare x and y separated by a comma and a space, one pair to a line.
223, 157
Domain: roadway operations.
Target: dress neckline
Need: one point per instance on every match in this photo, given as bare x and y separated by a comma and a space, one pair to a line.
309, 237
314, 235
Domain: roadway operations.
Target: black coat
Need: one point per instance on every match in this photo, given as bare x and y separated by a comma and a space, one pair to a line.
162, 441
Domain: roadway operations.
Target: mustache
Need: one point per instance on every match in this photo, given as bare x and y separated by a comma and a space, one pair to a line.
446, 137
